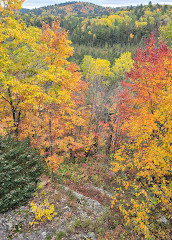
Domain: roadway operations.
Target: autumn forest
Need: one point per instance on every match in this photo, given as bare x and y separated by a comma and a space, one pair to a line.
85, 121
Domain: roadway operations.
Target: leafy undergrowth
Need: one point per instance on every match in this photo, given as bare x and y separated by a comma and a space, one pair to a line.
88, 177
72, 219
61, 215
93, 171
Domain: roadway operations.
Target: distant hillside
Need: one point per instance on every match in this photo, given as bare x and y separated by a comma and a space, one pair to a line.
72, 8
100, 31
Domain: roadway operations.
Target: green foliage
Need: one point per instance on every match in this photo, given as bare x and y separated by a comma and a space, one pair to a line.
166, 33
96, 26
20, 168
60, 235
69, 9
77, 223
99, 31
89, 172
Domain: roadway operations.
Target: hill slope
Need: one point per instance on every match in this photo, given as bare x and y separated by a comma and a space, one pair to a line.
72, 8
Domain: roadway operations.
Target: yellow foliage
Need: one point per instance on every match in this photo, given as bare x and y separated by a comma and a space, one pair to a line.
131, 36
7, 6
123, 64
37, 79
96, 70
145, 159
43, 212
107, 21
140, 24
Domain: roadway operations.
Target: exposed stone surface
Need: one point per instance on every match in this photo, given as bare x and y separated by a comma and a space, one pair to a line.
163, 220
16, 223
88, 202
90, 236
3, 228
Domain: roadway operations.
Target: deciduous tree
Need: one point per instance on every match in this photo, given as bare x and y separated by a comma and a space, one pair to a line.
145, 156
40, 90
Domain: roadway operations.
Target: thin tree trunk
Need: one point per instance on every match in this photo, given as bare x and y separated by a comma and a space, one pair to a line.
16, 119
50, 143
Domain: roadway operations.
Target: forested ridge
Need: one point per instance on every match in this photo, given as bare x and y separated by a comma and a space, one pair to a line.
103, 32
85, 105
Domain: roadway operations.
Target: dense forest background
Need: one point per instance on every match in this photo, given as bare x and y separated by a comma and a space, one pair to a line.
85, 100
99, 31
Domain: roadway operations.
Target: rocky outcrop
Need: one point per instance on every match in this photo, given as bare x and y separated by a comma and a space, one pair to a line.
15, 223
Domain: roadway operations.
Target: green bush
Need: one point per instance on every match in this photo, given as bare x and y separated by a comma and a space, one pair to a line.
20, 169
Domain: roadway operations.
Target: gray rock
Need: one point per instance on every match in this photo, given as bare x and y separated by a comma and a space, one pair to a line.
88, 202
3, 229
10, 225
44, 234
19, 219
163, 220
84, 236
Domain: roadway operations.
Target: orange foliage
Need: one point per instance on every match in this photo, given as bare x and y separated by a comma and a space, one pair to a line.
145, 158
41, 92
